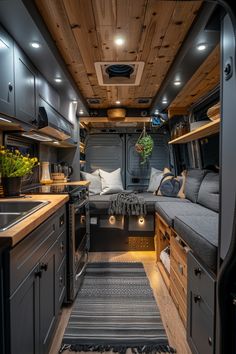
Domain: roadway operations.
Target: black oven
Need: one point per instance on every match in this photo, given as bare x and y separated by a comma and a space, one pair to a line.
78, 245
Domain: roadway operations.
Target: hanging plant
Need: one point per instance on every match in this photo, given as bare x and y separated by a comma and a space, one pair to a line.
144, 146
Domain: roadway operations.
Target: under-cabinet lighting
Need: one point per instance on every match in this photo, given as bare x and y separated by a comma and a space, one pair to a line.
56, 142
5, 120
112, 220
141, 220
57, 79
81, 111
35, 45
201, 46
37, 137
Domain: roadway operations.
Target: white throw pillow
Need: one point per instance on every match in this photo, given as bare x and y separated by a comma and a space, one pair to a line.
111, 182
155, 179
94, 178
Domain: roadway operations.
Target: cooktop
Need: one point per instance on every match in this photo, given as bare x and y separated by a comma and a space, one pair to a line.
53, 189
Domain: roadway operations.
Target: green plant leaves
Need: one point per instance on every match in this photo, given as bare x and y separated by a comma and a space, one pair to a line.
145, 144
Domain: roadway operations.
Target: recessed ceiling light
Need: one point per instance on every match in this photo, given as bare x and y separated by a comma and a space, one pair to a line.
119, 41
156, 111
201, 46
57, 79
164, 101
81, 111
35, 45
117, 102
56, 142
177, 83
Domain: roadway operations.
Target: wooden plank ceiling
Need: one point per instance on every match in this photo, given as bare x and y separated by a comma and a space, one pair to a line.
84, 32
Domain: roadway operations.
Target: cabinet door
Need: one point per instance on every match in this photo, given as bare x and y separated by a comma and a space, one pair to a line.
24, 315
25, 84
48, 310
7, 104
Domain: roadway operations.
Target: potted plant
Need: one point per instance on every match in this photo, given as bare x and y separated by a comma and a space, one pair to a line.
13, 166
144, 145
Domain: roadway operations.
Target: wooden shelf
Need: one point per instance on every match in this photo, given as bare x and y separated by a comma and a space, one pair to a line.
203, 131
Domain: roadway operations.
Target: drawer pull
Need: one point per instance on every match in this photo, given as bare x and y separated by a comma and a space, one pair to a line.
197, 298
197, 271
38, 274
209, 340
180, 268
61, 280
44, 266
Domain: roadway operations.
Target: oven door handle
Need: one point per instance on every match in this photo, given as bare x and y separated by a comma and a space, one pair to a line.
84, 266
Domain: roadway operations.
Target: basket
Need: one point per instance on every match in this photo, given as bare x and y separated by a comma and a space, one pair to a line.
116, 114
214, 112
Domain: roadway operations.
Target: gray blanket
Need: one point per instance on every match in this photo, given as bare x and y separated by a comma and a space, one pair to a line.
127, 203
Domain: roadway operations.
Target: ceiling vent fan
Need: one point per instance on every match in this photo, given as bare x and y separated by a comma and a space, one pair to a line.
119, 73
93, 100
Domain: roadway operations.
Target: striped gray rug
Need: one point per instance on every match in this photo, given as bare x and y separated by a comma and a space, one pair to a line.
115, 310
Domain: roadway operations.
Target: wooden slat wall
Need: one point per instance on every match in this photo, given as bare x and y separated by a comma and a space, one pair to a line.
205, 79
84, 32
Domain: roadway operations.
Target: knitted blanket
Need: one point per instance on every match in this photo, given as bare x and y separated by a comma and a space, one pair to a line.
127, 203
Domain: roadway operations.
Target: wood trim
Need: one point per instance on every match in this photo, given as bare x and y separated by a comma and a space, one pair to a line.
202, 132
177, 111
87, 120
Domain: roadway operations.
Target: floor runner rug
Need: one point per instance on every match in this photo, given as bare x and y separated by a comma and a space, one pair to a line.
115, 310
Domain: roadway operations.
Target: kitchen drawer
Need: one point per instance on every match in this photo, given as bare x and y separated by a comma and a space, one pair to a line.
202, 280
60, 284
61, 248
27, 253
200, 322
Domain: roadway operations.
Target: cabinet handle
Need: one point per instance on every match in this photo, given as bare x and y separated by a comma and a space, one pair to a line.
62, 246
44, 266
197, 271
61, 280
38, 274
197, 298
10, 86
209, 340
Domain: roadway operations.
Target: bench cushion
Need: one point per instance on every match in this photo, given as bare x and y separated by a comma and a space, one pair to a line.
201, 235
100, 203
168, 210
208, 195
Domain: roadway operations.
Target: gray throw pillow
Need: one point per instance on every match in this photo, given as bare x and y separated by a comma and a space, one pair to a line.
94, 178
209, 193
193, 182
155, 180
111, 182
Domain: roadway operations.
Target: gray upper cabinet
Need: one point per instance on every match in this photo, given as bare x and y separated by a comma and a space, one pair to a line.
25, 86
7, 91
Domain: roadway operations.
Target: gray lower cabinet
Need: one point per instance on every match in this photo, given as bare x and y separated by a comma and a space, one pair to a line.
201, 308
7, 91
38, 270
25, 86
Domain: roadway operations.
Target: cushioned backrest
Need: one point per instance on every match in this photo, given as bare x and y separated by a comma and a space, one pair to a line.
193, 181
208, 195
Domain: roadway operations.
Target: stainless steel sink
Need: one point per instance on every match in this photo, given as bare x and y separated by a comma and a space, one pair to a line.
12, 213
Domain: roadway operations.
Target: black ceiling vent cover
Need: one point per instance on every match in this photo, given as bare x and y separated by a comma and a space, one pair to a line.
94, 100
144, 100
120, 70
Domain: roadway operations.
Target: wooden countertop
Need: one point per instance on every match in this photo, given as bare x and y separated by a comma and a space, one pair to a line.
17, 232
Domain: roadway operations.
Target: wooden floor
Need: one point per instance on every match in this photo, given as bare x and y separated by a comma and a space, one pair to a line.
171, 320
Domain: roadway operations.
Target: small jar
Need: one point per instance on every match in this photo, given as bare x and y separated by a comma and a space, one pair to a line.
45, 173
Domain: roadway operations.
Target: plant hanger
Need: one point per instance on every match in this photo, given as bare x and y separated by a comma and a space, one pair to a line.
144, 145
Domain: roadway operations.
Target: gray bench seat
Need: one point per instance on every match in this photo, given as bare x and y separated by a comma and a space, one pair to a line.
169, 210
201, 235
100, 203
